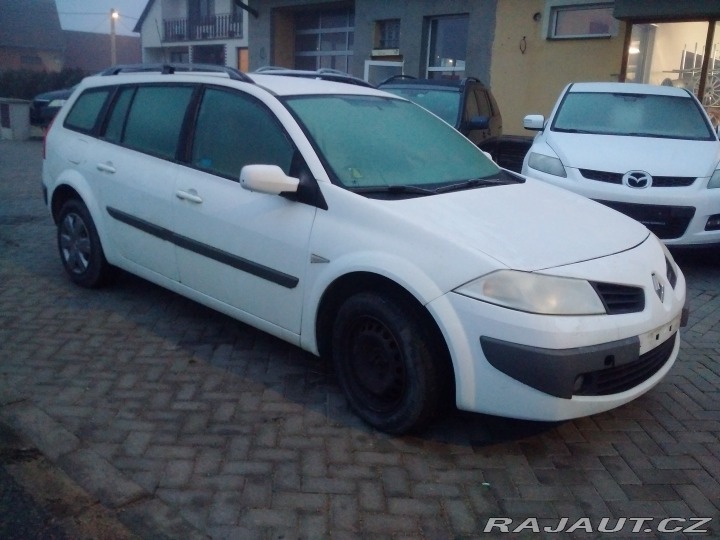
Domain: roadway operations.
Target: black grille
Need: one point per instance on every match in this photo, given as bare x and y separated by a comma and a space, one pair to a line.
670, 273
602, 176
673, 181
619, 299
614, 380
665, 221
657, 181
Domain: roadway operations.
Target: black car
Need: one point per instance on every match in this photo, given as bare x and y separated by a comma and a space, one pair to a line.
46, 105
467, 104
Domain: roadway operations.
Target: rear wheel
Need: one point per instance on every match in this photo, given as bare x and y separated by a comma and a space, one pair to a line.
79, 245
385, 364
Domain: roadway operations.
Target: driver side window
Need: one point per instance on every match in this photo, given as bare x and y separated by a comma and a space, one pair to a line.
234, 130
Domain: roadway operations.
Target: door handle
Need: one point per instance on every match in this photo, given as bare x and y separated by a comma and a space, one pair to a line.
106, 167
191, 196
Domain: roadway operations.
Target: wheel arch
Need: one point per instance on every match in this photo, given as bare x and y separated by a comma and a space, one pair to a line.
60, 196
362, 281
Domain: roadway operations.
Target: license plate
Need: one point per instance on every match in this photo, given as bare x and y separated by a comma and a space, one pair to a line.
650, 340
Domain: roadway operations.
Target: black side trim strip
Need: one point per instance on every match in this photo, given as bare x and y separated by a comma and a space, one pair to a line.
263, 272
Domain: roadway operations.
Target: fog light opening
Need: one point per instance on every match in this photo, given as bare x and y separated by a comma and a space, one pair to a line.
713, 223
579, 383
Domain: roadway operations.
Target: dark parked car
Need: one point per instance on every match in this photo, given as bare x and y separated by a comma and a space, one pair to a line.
46, 105
467, 104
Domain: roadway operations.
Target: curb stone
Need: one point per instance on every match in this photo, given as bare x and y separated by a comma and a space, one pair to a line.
99, 500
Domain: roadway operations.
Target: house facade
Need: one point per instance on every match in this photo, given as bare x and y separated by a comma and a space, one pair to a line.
526, 50
198, 31
30, 36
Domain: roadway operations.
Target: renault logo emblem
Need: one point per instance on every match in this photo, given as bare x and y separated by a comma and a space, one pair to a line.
659, 287
637, 179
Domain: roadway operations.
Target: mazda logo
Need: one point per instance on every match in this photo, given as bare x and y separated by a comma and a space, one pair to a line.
637, 179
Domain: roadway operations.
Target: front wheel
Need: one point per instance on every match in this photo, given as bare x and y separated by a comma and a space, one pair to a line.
79, 245
386, 363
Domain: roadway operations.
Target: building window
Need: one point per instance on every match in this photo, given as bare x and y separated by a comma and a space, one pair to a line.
673, 54
387, 34
447, 47
324, 39
581, 20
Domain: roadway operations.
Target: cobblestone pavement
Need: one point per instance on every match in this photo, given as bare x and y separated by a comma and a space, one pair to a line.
188, 424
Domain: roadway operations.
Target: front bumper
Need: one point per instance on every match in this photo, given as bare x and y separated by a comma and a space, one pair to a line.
552, 368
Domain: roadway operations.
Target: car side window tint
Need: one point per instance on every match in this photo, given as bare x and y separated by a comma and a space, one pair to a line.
471, 106
484, 107
116, 123
84, 114
155, 119
234, 130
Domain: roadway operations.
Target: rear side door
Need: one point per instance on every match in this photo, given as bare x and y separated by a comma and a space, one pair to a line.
135, 161
248, 250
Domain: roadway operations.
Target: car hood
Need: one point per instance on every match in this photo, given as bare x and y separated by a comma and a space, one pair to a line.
659, 157
530, 226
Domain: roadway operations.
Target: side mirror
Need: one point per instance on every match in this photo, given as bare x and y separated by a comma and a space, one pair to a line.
477, 122
268, 179
535, 122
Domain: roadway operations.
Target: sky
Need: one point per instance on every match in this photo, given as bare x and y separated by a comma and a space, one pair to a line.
94, 15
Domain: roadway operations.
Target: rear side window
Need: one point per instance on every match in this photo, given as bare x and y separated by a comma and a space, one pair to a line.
116, 123
155, 119
84, 114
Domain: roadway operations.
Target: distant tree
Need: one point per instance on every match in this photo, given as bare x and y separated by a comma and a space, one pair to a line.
26, 84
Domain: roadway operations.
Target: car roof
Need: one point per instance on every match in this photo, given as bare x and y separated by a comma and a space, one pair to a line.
627, 88
406, 81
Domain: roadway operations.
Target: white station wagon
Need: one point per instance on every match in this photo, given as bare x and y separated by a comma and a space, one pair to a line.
358, 226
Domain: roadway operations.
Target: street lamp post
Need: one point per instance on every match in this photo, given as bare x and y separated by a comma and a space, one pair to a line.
113, 53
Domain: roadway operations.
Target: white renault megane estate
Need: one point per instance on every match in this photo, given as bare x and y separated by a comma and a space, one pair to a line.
360, 227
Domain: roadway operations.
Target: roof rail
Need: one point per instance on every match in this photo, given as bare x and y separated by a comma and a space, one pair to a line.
325, 74
397, 78
173, 67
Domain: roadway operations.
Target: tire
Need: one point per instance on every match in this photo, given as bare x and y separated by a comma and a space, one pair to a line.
79, 246
384, 361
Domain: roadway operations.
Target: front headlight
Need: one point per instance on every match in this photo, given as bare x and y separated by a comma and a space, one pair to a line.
535, 293
714, 180
546, 164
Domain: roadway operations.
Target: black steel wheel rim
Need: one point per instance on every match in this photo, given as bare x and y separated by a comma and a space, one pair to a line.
375, 363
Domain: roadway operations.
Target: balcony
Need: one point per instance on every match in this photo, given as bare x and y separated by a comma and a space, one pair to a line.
216, 27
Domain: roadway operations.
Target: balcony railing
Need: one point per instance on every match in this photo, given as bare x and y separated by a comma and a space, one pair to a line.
216, 27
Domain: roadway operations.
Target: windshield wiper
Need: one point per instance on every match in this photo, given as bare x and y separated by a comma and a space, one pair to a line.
473, 183
394, 189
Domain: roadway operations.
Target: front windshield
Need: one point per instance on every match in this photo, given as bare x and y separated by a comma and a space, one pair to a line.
643, 115
376, 142
443, 102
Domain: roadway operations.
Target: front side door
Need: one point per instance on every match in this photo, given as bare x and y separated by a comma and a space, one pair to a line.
248, 250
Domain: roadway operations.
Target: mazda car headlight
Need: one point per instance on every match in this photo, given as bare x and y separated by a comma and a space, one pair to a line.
546, 164
714, 180
535, 293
